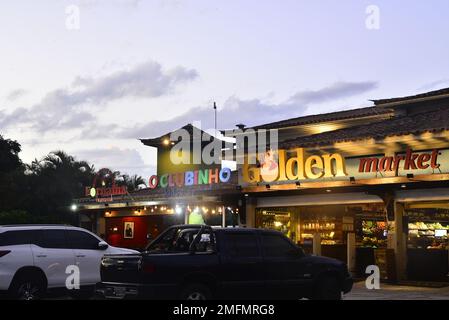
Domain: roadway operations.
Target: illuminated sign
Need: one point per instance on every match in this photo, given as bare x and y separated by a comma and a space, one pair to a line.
296, 165
409, 161
277, 166
190, 178
104, 193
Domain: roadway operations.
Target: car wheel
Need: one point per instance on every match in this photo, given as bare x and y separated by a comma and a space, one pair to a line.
28, 287
196, 292
327, 288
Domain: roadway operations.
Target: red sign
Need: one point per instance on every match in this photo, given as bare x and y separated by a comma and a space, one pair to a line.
409, 161
105, 192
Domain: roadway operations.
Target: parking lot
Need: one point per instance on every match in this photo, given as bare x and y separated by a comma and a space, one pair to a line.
396, 292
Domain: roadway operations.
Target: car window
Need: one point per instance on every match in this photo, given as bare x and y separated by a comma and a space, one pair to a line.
164, 243
82, 240
178, 240
52, 239
242, 244
206, 244
14, 238
274, 245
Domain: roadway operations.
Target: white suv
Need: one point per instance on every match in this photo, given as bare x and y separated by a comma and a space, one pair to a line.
34, 258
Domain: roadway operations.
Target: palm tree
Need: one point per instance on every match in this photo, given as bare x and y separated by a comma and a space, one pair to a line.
132, 183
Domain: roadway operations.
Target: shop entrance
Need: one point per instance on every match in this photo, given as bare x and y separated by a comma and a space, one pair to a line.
333, 223
427, 228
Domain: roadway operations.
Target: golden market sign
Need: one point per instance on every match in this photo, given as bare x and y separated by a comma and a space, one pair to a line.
295, 165
279, 167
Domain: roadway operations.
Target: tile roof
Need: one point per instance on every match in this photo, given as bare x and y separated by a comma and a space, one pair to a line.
333, 116
432, 94
432, 121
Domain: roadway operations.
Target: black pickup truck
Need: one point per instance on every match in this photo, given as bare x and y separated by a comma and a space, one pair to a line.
193, 262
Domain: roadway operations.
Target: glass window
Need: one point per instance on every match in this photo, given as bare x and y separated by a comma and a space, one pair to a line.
206, 243
52, 239
164, 243
178, 240
14, 238
242, 244
82, 240
274, 245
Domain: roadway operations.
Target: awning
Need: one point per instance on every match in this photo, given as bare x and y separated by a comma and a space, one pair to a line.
437, 194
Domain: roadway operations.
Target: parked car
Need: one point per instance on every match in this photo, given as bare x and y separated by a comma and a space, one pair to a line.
199, 263
34, 258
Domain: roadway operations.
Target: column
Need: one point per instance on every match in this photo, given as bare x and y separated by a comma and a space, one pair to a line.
186, 215
351, 251
101, 226
317, 244
400, 241
251, 204
223, 216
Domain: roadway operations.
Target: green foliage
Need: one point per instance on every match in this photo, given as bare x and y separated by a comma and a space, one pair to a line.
43, 191
9, 155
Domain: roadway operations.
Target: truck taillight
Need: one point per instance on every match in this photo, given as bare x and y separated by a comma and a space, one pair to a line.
4, 252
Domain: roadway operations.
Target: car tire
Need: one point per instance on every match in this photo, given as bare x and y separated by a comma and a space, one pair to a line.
327, 288
30, 286
196, 292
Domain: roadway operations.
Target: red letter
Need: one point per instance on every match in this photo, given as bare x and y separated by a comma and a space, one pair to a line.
422, 159
152, 183
434, 163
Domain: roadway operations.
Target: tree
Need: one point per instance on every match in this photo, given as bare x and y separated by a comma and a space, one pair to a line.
54, 182
11, 174
132, 183
9, 155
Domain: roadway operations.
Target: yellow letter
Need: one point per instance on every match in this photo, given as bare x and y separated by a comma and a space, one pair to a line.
250, 174
340, 167
314, 162
299, 160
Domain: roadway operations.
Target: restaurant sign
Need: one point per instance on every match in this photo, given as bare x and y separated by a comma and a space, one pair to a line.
295, 165
108, 189
190, 178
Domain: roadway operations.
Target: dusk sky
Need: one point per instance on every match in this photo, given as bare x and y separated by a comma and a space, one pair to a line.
136, 69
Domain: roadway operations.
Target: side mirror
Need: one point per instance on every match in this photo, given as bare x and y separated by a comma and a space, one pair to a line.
102, 245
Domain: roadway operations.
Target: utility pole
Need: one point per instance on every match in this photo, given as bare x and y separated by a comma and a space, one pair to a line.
215, 118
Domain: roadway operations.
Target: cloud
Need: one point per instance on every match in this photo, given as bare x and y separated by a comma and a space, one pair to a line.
250, 112
66, 108
335, 91
16, 94
124, 160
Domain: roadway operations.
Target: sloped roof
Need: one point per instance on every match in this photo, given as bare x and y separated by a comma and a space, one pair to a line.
158, 141
332, 116
407, 99
433, 121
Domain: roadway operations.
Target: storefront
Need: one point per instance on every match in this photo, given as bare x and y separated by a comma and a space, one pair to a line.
179, 193
375, 193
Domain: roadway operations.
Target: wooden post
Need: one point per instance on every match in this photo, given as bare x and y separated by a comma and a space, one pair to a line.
317, 244
400, 246
351, 254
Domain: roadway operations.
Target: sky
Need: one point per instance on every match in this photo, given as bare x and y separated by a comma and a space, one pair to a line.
91, 77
